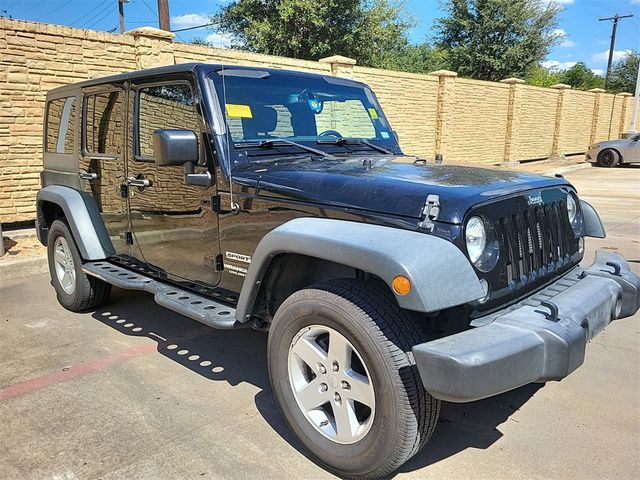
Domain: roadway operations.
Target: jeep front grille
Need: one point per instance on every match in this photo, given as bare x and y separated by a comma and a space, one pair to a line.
535, 242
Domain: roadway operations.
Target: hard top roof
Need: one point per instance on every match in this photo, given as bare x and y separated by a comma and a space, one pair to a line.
182, 67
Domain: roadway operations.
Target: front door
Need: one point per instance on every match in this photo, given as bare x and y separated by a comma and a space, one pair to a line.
102, 161
174, 231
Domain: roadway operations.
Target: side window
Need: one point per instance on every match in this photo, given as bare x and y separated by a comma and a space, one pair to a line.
168, 107
60, 121
103, 128
350, 118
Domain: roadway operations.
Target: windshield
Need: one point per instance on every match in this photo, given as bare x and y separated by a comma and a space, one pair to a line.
313, 111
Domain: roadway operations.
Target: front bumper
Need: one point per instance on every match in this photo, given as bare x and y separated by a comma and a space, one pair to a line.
541, 338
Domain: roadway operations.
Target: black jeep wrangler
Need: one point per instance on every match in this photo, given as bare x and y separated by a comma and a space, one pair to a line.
281, 201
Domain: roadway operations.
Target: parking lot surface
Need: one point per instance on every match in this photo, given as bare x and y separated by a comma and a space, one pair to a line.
134, 391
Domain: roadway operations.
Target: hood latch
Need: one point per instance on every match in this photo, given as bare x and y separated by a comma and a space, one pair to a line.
430, 212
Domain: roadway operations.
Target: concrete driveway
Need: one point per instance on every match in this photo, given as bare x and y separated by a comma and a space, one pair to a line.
134, 391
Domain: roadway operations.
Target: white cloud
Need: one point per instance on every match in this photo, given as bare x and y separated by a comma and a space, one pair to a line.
556, 66
562, 35
635, 2
603, 57
599, 71
559, 2
219, 40
189, 20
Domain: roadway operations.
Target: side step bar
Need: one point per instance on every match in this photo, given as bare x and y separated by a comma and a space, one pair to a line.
184, 302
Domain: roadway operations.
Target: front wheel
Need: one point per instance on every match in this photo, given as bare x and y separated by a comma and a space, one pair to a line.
341, 371
608, 158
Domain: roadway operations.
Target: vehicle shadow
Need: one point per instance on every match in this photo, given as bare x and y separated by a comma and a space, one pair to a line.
237, 356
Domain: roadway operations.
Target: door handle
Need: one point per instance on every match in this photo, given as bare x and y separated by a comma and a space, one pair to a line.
88, 175
137, 182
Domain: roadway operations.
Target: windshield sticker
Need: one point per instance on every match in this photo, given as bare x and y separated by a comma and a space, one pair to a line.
315, 105
373, 114
384, 135
239, 111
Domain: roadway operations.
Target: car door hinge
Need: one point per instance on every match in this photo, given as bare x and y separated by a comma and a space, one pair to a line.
430, 212
128, 237
124, 190
212, 203
219, 263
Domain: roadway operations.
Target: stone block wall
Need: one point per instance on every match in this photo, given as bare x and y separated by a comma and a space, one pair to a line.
467, 121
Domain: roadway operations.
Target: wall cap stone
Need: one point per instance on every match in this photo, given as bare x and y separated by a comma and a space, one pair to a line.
151, 32
444, 73
561, 86
513, 81
624, 94
596, 90
338, 59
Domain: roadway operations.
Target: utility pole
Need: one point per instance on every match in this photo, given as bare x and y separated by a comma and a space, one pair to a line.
615, 20
121, 13
163, 15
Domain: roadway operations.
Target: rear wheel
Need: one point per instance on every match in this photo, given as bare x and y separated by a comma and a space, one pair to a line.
340, 368
76, 291
608, 158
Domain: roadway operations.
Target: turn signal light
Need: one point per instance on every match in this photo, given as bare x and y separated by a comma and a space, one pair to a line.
401, 285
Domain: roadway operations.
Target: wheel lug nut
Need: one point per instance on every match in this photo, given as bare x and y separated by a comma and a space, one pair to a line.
345, 385
337, 398
335, 367
322, 368
323, 387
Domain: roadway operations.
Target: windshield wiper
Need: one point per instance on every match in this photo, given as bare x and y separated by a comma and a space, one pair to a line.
347, 140
283, 141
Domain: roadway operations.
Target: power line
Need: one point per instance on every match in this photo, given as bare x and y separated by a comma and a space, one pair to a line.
55, 9
89, 12
93, 13
85, 23
100, 19
192, 28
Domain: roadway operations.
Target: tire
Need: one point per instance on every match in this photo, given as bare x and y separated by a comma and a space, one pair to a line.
608, 158
381, 334
76, 291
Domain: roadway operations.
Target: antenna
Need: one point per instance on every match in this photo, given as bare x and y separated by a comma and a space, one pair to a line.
235, 208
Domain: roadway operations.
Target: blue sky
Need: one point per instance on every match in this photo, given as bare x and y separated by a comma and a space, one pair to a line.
582, 37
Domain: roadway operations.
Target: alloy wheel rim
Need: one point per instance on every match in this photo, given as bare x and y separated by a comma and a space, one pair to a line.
607, 159
331, 384
64, 265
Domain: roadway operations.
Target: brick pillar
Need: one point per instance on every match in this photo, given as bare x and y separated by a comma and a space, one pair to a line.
444, 110
557, 131
340, 66
623, 113
154, 47
513, 116
597, 101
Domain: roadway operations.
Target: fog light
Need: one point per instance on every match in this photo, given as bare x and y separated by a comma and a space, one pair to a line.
401, 285
485, 288
581, 245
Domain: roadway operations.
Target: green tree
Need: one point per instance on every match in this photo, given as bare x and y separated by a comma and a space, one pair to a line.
581, 77
542, 77
366, 30
624, 74
496, 39
422, 58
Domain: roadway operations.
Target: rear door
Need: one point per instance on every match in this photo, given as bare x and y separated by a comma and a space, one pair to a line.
174, 230
102, 158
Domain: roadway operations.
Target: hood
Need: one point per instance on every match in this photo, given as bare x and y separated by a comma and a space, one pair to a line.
390, 185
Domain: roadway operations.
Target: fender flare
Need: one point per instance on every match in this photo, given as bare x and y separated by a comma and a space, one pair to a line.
84, 220
593, 226
440, 274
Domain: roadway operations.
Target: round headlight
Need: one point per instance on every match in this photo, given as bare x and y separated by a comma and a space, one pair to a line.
476, 237
572, 208
482, 244
574, 214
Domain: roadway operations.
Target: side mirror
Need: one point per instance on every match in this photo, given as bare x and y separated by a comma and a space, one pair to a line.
175, 147
180, 147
